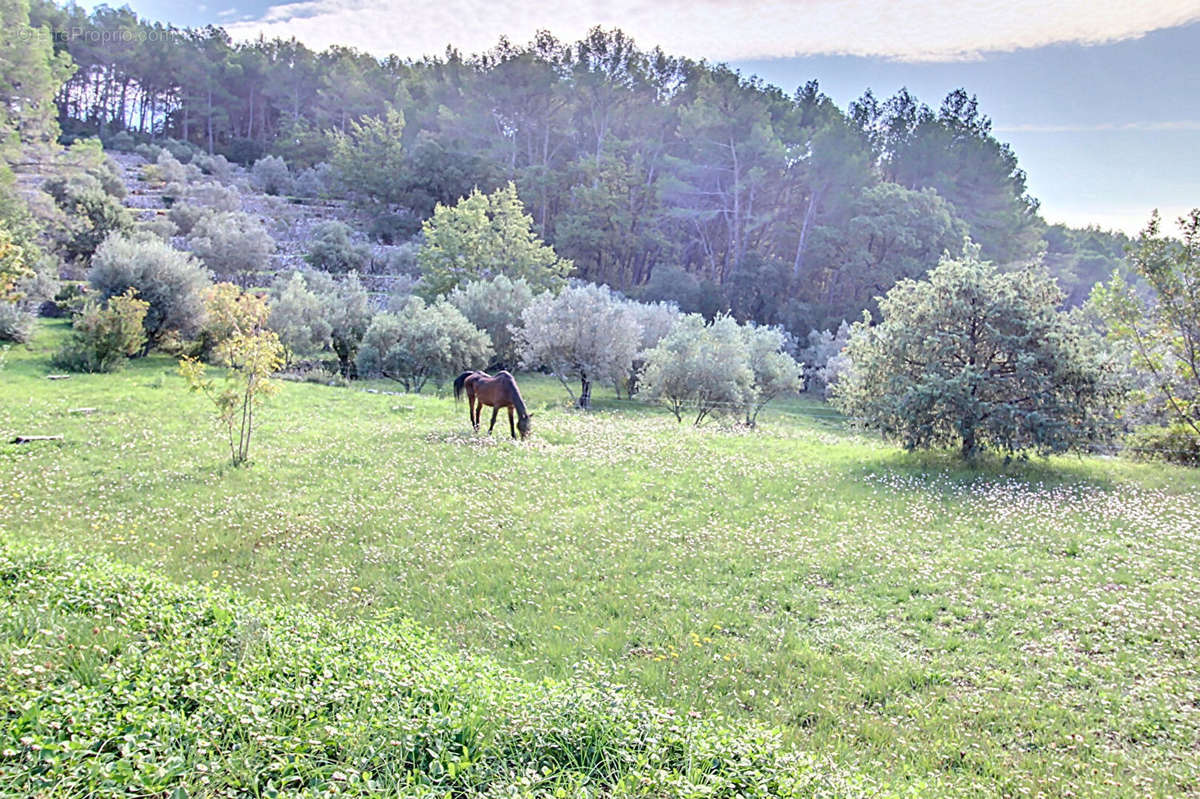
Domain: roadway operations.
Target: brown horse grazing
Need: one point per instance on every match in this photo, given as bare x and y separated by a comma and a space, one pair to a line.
500, 392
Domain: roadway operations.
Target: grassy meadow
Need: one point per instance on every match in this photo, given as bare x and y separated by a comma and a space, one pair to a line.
1015, 630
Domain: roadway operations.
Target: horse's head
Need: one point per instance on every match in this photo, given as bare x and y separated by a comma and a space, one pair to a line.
523, 424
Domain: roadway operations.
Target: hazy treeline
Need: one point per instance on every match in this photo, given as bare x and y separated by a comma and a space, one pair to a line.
680, 179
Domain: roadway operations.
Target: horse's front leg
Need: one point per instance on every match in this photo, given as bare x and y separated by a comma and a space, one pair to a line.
511, 427
493, 424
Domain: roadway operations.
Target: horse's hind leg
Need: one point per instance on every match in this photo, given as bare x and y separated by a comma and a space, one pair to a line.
474, 412
495, 411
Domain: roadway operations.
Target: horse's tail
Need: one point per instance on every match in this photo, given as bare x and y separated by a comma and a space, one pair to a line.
459, 382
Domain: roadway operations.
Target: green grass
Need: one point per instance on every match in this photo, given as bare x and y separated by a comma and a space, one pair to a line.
1030, 628
119, 684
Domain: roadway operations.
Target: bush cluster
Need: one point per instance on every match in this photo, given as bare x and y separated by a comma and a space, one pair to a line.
172, 282
104, 336
234, 245
120, 681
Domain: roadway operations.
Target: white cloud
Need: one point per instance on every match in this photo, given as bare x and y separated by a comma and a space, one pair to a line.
921, 30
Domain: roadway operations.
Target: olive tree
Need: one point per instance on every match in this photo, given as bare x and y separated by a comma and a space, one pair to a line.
775, 371
298, 317
422, 342
700, 367
332, 249
232, 244
347, 308
981, 359
200, 199
496, 306
172, 282
585, 333
824, 361
16, 322
270, 174
656, 320
91, 215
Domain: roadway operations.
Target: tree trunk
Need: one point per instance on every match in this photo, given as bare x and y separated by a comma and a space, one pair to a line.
970, 447
210, 120
585, 392
809, 213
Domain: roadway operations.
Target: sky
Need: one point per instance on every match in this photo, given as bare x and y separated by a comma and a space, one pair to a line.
1100, 99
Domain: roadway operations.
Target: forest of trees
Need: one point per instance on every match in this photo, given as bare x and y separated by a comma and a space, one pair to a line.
660, 176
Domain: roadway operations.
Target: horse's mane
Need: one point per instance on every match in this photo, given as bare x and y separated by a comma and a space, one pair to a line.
518, 400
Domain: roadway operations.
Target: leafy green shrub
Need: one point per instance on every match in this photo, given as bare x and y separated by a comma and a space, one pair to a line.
122, 142
191, 691
15, 266
1157, 330
672, 284
979, 358
316, 181
16, 322
245, 151
1175, 443
495, 306
233, 244
299, 142
389, 227
103, 337
68, 300
181, 151
198, 199
422, 342
297, 317
482, 236
228, 310
172, 282
91, 215
216, 166
148, 151
270, 174
702, 368
333, 250
249, 358
347, 308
